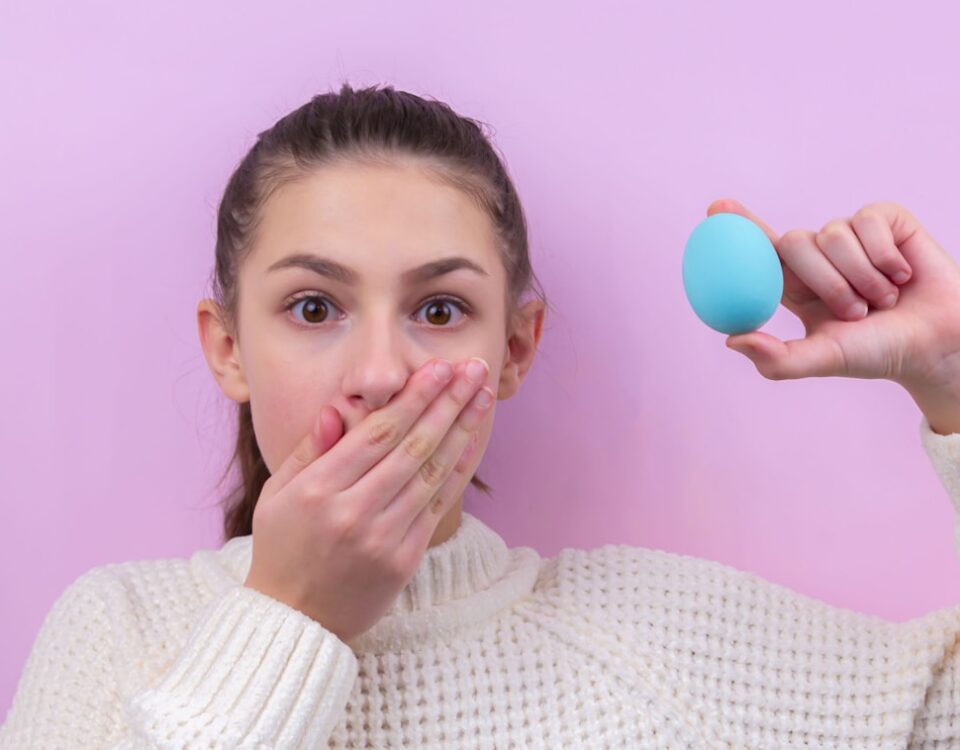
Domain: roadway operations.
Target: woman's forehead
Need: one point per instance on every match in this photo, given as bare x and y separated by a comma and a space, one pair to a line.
349, 222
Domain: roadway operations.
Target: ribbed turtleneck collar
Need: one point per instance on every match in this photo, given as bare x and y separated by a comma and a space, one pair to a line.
463, 581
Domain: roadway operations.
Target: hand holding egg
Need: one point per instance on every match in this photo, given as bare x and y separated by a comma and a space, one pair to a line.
880, 258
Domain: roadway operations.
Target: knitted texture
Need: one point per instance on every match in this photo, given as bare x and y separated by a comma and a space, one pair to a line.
488, 647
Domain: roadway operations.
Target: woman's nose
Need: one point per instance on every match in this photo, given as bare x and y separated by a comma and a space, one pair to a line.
381, 363
375, 387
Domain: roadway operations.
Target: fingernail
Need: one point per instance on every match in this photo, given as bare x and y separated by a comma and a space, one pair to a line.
857, 310
442, 370
888, 300
484, 398
476, 370
901, 277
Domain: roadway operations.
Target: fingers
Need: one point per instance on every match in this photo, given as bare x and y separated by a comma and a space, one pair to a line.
841, 245
415, 512
411, 474
381, 431
324, 433
850, 265
799, 251
874, 232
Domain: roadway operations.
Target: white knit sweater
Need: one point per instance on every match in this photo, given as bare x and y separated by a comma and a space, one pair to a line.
489, 647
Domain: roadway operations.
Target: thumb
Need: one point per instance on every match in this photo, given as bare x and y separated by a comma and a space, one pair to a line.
810, 357
326, 430
732, 206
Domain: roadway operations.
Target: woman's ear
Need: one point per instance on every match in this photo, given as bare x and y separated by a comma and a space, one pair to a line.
222, 352
521, 348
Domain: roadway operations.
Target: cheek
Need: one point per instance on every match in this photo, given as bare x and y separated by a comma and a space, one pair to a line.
284, 411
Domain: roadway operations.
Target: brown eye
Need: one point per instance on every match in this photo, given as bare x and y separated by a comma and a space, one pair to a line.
315, 309
438, 311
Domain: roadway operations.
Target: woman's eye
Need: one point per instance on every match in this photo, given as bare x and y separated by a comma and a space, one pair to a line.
317, 310
438, 310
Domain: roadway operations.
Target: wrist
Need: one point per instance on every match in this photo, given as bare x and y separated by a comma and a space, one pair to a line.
940, 405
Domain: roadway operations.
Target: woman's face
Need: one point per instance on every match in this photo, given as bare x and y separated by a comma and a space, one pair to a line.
332, 309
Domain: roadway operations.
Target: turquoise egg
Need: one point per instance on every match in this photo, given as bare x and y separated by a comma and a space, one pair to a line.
732, 274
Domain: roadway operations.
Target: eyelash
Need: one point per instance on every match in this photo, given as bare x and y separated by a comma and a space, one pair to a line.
465, 309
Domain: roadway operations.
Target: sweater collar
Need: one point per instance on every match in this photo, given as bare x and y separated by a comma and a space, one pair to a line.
465, 580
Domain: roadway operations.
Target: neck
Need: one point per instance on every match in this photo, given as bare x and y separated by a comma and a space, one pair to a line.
448, 524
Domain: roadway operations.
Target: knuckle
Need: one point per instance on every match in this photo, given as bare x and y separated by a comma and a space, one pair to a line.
417, 446
342, 522
427, 393
436, 504
459, 470
839, 290
832, 230
383, 432
461, 394
401, 566
466, 426
887, 259
466, 431
866, 213
792, 236
432, 472
310, 494
792, 239
770, 370
303, 454
302, 492
875, 288
373, 545
882, 206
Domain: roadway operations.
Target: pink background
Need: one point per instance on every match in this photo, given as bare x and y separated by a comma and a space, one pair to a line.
619, 124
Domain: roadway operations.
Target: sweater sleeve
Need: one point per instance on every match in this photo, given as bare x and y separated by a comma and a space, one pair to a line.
936, 637
254, 673
944, 454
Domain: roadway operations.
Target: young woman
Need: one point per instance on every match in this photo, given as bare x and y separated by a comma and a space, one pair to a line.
371, 264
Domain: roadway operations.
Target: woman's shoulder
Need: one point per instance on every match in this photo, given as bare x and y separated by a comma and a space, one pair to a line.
632, 583
139, 611
155, 590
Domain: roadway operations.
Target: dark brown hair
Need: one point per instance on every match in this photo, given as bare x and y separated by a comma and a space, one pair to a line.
371, 126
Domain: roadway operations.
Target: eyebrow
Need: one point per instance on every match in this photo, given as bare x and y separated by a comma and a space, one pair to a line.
345, 275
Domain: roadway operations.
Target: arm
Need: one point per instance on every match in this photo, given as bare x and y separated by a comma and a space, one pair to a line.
940, 407
944, 454
935, 640
254, 673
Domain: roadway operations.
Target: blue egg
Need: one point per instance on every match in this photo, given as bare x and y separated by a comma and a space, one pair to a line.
732, 274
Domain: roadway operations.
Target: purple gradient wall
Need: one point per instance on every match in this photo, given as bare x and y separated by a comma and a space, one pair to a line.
620, 123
